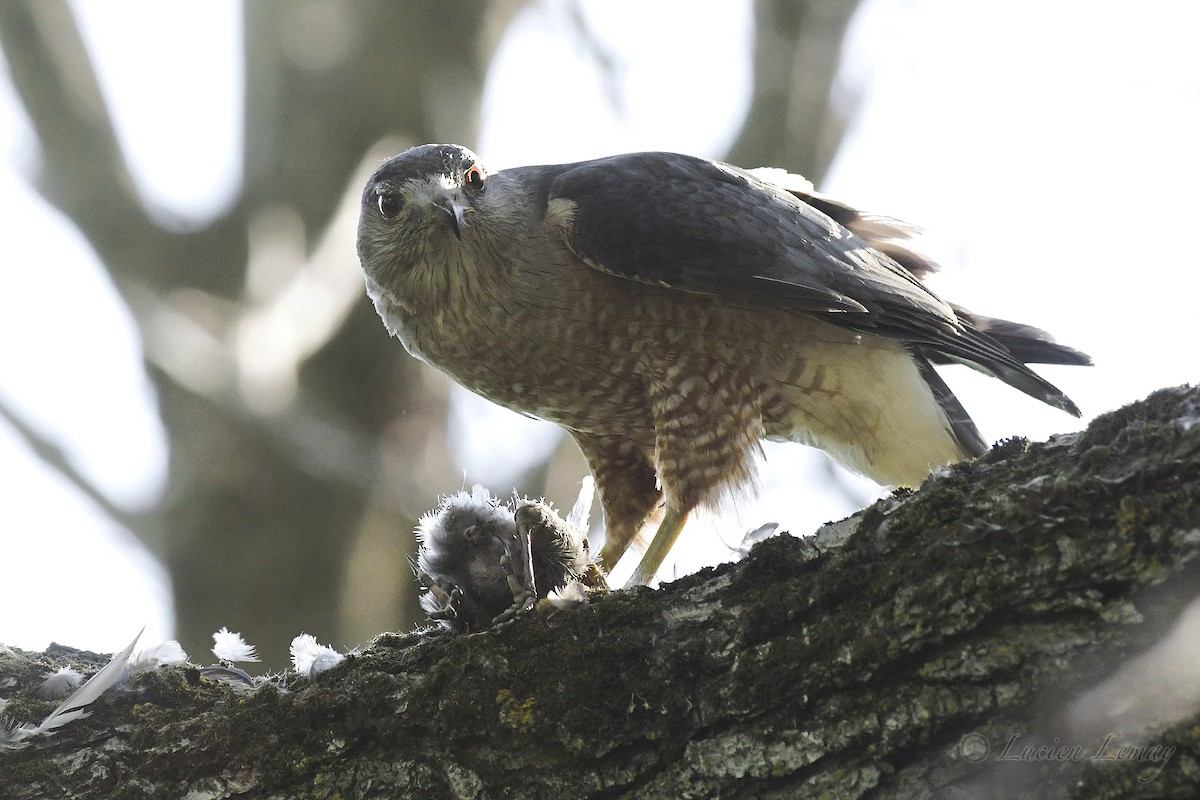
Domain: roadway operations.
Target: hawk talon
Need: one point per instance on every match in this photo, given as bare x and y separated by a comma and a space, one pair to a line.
444, 598
445, 605
520, 589
448, 603
521, 606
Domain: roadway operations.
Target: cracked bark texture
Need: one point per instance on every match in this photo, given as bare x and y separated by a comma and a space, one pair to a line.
1040, 597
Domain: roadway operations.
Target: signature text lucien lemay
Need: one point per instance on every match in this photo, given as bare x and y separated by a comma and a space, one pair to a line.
1107, 750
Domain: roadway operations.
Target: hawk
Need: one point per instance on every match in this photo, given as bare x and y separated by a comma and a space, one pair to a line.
670, 312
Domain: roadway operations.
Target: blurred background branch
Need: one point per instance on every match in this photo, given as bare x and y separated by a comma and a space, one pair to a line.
265, 501
296, 471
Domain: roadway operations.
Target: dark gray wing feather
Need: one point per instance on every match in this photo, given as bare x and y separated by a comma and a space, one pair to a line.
704, 227
961, 424
630, 222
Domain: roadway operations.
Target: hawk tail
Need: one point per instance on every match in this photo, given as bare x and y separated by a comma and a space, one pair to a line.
1027, 344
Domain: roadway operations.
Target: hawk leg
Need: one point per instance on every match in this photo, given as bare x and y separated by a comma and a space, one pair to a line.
707, 426
664, 539
624, 473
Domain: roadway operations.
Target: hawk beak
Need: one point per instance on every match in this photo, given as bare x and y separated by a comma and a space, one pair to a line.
455, 211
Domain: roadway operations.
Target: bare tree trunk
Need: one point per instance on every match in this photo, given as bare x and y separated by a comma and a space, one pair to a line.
1018, 627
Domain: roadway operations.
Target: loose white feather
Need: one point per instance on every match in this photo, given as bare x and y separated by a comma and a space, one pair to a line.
755, 535
573, 594
60, 683
168, 653
230, 646
310, 658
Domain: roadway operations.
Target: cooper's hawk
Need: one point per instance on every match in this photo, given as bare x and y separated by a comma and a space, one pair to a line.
670, 312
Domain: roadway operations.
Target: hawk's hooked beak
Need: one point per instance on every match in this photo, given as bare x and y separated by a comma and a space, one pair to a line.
454, 210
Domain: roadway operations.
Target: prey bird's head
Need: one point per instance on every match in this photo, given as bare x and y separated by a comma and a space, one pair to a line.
417, 201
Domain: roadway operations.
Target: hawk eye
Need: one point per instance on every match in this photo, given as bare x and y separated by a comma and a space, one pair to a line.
389, 205
473, 177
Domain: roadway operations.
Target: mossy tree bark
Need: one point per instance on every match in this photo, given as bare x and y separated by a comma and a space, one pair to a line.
1018, 627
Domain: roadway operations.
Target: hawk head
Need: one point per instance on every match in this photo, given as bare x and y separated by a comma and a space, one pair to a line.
416, 200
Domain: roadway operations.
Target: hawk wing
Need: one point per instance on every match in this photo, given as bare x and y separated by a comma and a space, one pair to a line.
709, 228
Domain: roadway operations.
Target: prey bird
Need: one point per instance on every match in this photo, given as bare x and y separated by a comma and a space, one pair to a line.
670, 312
482, 562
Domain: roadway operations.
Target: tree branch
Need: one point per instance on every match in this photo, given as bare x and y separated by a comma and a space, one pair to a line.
84, 173
53, 456
900, 653
792, 122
